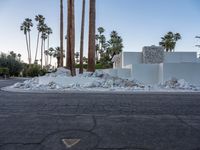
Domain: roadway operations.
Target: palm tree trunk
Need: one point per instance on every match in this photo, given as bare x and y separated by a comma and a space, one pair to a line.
82, 38
47, 59
61, 32
68, 61
37, 46
71, 38
44, 46
29, 36
42, 53
92, 26
27, 48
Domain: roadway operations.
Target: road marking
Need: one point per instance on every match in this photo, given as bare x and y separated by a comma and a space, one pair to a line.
70, 142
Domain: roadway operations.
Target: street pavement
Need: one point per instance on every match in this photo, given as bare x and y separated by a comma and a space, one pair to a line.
98, 121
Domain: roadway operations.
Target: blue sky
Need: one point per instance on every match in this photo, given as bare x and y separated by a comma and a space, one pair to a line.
139, 22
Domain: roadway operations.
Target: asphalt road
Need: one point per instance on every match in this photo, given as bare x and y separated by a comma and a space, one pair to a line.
31, 121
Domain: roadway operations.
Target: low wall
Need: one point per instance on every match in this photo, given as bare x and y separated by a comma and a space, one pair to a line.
129, 58
178, 57
121, 73
146, 73
187, 71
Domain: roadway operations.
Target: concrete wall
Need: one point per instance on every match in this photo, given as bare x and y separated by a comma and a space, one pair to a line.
121, 73
178, 57
129, 58
146, 73
188, 71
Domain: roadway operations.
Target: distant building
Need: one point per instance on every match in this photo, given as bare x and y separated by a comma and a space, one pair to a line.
153, 65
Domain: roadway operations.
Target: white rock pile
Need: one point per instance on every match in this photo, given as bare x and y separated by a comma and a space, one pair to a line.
62, 80
179, 84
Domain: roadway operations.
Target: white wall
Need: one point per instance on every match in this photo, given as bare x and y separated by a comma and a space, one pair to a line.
129, 58
177, 57
121, 73
146, 73
188, 71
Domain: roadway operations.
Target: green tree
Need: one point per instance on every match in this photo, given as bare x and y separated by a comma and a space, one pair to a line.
12, 63
115, 45
169, 41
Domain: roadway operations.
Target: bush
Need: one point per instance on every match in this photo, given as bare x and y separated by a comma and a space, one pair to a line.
4, 72
14, 66
33, 70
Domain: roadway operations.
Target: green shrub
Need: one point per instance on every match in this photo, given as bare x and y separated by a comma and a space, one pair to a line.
14, 65
33, 70
4, 71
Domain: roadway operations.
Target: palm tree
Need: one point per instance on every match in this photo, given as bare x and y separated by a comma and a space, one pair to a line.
82, 37
29, 25
40, 19
169, 41
57, 55
13, 54
115, 44
101, 40
71, 38
19, 56
61, 32
48, 31
26, 28
43, 38
77, 54
51, 52
46, 53
92, 26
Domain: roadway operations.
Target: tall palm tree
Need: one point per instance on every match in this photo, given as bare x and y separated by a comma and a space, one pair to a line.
43, 38
82, 37
46, 53
40, 19
48, 31
26, 28
61, 32
92, 36
29, 26
71, 38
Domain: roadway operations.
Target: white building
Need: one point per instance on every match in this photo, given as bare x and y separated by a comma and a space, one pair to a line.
153, 66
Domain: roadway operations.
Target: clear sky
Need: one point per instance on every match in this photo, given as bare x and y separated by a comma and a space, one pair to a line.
139, 22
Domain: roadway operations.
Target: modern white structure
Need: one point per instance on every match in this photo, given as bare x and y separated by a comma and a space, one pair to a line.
153, 66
